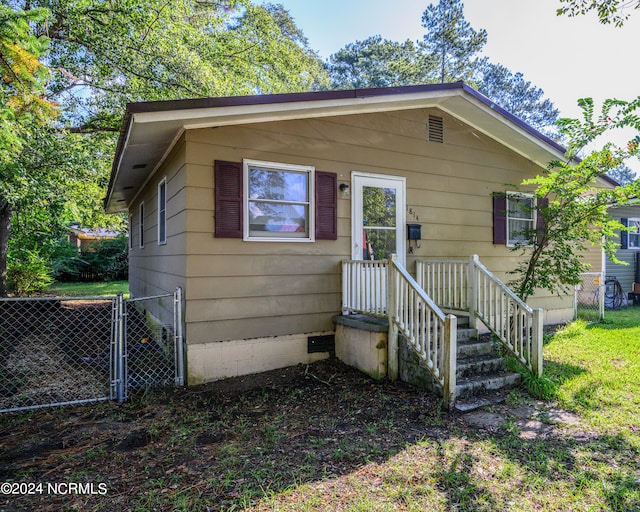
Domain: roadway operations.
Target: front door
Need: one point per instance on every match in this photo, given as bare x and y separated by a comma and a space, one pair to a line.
378, 216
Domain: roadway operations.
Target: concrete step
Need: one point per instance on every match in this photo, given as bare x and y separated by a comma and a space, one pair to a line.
471, 403
466, 333
474, 347
479, 365
478, 384
463, 321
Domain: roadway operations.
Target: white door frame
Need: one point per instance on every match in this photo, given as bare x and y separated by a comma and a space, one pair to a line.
364, 179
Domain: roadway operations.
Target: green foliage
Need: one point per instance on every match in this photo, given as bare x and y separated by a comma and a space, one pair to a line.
573, 210
609, 11
104, 260
623, 175
70, 67
451, 40
28, 274
377, 62
541, 387
449, 52
22, 88
518, 96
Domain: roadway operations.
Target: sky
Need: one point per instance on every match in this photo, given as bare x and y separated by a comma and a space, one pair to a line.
568, 58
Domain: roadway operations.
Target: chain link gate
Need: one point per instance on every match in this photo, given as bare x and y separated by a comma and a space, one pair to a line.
146, 353
62, 351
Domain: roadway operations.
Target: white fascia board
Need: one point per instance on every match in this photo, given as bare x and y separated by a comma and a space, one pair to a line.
221, 116
478, 121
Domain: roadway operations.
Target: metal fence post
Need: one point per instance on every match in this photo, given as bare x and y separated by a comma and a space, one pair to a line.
112, 349
119, 360
179, 340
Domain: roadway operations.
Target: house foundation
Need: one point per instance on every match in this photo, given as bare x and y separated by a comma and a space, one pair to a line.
361, 342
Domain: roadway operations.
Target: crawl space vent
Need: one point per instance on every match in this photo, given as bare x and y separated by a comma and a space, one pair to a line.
435, 128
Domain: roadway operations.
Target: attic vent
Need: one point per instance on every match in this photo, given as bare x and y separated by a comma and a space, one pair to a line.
435, 129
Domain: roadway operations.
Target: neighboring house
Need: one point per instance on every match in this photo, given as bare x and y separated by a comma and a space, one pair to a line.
250, 204
83, 238
626, 273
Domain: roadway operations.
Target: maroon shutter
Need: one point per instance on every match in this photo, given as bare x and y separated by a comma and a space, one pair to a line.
500, 219
542, 205
326, 205
228, 196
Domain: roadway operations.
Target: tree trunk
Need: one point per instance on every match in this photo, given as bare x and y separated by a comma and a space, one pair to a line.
6, 212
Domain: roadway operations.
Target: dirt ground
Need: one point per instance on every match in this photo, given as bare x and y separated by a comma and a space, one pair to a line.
225, 443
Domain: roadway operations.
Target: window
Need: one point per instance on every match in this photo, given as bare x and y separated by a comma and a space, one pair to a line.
162, 212
130, 231
521, 218
141, 226
278, 201
230, 204
520, 212
633, 235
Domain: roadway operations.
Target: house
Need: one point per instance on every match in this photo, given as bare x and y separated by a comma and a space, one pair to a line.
83, 238
251, 204
621, 276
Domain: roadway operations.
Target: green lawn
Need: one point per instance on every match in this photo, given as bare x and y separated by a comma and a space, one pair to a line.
89, 289
596, 368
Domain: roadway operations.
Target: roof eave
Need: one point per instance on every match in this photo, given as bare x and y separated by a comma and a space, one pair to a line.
456, 99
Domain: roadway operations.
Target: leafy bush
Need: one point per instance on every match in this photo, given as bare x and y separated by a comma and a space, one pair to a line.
105, 260
28, 273
66, 263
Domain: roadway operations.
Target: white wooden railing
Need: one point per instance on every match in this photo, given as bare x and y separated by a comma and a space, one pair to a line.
364, 287
446, 282
385, 288
470, 286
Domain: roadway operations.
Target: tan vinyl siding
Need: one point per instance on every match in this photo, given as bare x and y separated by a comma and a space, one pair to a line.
237, 290
157, 269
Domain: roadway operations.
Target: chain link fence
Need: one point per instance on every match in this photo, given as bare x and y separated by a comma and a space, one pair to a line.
54, 351
61, 351
589, 301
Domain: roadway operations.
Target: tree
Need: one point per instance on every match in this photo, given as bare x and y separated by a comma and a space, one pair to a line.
377, 62
623, 175
609, 11
452, 40
574, 212
517, 95
449, 52
24, 110
90, 57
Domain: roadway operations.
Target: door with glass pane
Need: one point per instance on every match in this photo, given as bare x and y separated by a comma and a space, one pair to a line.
378, 217
378, 232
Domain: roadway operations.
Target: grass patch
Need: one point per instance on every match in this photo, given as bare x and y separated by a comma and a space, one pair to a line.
596, 368
99, 289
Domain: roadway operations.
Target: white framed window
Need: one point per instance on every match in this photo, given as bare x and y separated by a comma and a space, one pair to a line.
521, 218
278, 202
634, 233
130, 229
162, 212
141, 226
